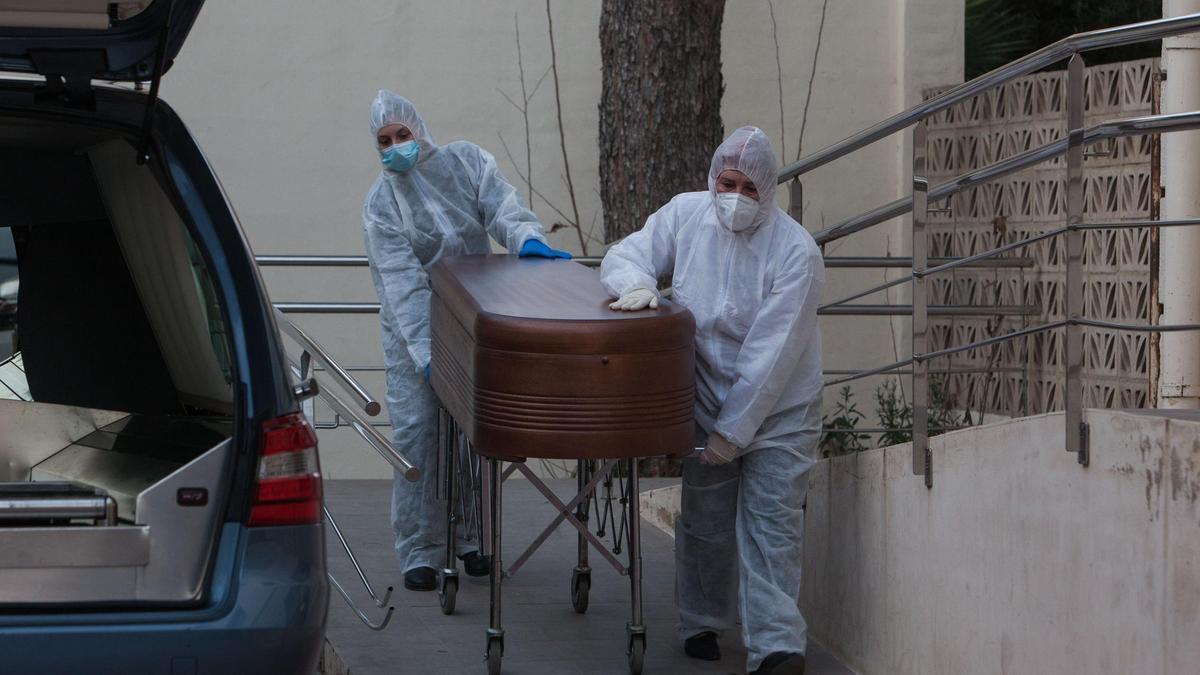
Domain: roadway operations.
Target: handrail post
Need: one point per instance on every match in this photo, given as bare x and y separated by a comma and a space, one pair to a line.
1076, 430
796, 200
921, 454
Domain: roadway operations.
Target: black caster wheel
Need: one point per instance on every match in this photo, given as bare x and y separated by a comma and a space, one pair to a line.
636, 653
448, 594
581, 585
495, 650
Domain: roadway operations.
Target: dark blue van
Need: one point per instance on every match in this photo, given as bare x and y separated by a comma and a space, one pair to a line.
160, 492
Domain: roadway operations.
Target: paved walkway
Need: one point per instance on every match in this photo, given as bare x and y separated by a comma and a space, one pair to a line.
543, 633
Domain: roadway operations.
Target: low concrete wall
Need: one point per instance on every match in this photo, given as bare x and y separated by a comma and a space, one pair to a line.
1018, 560
660, 507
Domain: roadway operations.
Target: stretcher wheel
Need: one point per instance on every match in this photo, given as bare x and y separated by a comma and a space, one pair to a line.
581, 585
448, 594
637, 653
495, 650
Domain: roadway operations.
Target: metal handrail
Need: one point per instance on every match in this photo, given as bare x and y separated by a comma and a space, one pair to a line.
1012, 335
1025, 332
311, 260
918, 203
368, 403
880, 262
328, 307
372, 436
356, 260
1064, 48
380, 603
361, 616
594, 261
952, 370
934, 310
989, 255
1115, 129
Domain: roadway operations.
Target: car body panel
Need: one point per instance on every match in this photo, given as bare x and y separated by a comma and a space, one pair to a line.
266, 591
125, 51
266, 615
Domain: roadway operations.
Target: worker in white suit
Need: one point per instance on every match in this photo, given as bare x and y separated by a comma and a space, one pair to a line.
752, 278
429, 201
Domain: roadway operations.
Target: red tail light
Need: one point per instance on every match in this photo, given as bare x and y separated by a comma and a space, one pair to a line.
288, 487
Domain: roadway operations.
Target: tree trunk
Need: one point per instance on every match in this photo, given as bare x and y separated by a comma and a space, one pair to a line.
660, 106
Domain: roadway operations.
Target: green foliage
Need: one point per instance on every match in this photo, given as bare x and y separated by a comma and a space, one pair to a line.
844, 420
996, 33
997, 29
895, 414
941, 413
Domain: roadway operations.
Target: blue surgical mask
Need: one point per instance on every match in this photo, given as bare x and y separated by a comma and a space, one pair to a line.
401, 157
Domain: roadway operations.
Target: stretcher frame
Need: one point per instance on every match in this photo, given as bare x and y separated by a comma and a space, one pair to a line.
477, 505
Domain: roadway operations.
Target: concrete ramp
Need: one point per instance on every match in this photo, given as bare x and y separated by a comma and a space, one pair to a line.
1019, 560
544, 635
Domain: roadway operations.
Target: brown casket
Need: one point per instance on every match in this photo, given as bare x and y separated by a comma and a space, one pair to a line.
531, 362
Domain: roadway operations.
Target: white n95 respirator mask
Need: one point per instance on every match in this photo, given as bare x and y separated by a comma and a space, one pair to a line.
735, 211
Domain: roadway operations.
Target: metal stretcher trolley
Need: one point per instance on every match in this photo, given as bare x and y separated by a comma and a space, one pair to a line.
529, 362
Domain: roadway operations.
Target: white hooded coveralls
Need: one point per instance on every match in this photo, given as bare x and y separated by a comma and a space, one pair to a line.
447, 204
754, 295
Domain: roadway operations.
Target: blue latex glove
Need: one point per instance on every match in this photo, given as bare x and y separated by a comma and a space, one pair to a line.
536, 249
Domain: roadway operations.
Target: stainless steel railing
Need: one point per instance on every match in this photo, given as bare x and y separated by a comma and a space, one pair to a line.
594, 261
312, 350
1108, 130
379, 602
918, 203
1046, 56
356, 260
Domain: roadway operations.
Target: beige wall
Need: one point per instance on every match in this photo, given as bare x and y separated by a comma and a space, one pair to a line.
277, 92
1018, 560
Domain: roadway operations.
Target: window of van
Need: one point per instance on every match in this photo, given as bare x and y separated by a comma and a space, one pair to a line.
115, 307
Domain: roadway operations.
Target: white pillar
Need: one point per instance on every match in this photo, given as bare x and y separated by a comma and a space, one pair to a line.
1179, 247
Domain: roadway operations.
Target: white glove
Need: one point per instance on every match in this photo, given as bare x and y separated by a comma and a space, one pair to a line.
718, 451
638, 298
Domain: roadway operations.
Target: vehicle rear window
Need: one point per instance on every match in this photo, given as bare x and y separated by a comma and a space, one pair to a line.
106, 301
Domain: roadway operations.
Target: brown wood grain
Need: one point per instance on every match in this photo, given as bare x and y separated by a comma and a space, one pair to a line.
530, 362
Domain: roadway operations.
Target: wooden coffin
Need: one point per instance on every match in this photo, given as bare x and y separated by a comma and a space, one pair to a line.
531, 362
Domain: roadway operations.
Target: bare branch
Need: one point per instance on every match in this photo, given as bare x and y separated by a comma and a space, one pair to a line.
551, 205
778, 79
525, 180
887, 298
514, 103
811, 76
592, 228
562, 136
533, 92
508, 154
524, 110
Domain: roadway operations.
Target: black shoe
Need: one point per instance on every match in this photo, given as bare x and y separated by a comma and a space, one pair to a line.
781, 663
420, 579
477, 565
703, 646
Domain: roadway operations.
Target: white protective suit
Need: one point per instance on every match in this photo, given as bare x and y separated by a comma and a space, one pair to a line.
754, 295
447, 204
